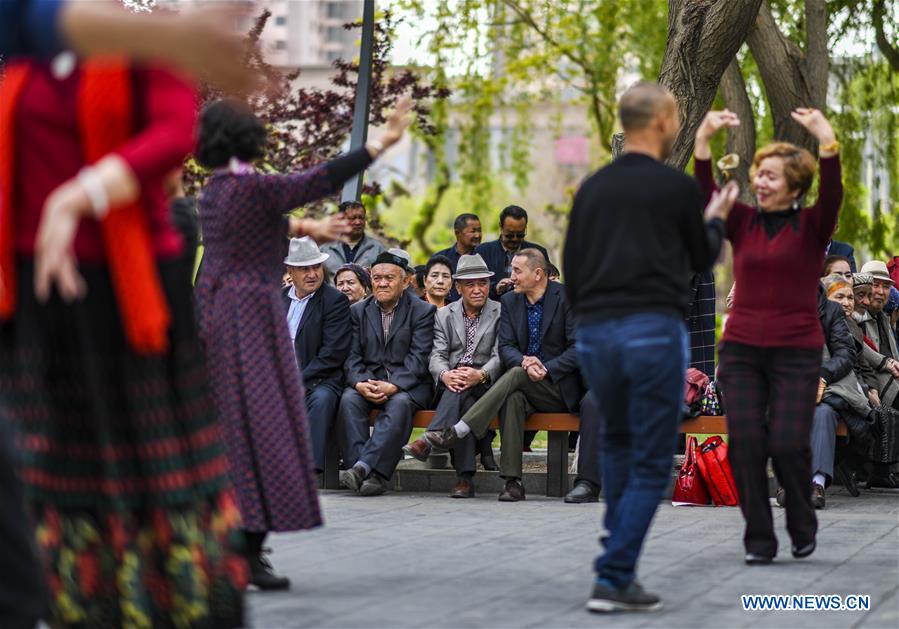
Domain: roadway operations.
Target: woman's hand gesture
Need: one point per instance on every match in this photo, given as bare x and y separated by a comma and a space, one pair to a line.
397, 122
713, 122
816, 124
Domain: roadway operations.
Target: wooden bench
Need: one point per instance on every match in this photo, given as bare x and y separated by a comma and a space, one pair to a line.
557, 426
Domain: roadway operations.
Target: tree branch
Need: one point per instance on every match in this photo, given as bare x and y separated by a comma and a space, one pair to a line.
889, 51
528, 19
703, 36
817, 57
784, 73
740, 140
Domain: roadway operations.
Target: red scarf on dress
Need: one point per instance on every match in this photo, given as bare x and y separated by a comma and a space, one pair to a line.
104, 108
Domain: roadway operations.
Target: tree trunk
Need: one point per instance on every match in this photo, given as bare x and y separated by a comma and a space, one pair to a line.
792, 79
703, 36
740, 140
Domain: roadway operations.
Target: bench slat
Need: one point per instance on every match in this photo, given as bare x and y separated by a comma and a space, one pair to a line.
566, 422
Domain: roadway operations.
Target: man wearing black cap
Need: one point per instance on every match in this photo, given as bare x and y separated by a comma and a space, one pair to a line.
387, 370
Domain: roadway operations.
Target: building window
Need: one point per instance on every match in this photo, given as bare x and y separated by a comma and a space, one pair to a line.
335, 10
280, 45
281, 20
332, 56
334, 33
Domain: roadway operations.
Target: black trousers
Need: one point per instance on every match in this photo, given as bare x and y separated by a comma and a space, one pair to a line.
22, 593
588, 459
321, 408
382, 448
770, 395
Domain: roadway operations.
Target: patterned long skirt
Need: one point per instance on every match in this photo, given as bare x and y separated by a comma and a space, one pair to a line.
122, 462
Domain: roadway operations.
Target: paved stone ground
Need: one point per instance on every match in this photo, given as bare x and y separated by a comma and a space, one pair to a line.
424, 560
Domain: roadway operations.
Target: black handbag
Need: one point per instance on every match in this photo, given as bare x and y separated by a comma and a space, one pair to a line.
883, 426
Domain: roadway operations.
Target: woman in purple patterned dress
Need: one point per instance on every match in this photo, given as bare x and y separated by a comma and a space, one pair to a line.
256, 382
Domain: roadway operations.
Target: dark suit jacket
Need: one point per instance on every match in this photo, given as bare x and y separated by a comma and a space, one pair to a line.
323, 340
495, 257
838, 248
560, 356
403, 359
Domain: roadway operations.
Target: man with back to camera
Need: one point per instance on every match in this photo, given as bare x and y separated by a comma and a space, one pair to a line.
635, 237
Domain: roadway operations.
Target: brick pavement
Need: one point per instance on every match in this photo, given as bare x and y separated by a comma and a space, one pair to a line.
424, 560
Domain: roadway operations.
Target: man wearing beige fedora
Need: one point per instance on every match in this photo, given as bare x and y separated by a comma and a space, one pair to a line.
319, 325
464, 363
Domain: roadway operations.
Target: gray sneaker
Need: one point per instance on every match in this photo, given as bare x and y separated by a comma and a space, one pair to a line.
631, 599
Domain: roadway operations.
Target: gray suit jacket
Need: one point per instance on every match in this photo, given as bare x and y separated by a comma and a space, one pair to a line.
449, 340
403, 359
889, 388
369, 249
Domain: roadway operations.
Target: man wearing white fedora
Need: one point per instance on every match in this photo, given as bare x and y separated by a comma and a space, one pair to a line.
319, 325
464, 363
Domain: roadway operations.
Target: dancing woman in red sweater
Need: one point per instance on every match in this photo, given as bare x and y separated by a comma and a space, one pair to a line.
770, 372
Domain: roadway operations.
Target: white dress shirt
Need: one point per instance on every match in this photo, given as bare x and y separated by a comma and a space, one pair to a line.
296, 310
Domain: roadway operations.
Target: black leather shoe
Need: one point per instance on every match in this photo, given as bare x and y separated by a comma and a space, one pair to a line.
262, 574
513, 492
754, 559
488, 462
582, 492
847, 479
805, 551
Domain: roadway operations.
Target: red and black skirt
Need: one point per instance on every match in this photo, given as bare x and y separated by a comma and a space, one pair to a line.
122, 461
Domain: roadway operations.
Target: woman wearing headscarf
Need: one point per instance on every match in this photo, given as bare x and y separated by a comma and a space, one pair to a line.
354, 281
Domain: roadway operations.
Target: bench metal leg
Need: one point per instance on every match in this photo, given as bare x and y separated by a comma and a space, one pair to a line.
557, 464
331, 477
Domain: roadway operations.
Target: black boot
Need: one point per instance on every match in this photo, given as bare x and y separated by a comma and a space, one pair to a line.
262, 574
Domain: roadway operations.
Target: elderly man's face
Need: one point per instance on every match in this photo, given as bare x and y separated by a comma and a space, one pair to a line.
355, 216
880, 292
306, 279
513, 232
474, 293
470, 237
388, 282
862, 298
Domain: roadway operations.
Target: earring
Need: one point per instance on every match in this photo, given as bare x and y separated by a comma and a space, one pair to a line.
795, 206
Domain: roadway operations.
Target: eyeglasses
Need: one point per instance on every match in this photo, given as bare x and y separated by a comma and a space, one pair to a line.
516, 235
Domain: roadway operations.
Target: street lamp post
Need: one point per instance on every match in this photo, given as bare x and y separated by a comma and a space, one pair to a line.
352, 189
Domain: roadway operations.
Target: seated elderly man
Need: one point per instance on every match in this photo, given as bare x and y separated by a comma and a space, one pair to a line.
387, 370
318, 320
536, 345
465, 362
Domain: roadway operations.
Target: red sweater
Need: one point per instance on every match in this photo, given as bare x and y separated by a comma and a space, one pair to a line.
776, 303
166, 123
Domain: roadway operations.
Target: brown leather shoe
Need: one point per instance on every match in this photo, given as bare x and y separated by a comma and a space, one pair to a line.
445, 438
514, 491
817, 496
418, 449
464, 489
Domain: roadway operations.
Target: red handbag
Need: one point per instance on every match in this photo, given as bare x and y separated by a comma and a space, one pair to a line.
690, 489
715, 470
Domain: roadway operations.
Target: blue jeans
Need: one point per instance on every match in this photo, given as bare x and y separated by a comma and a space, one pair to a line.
636, 367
